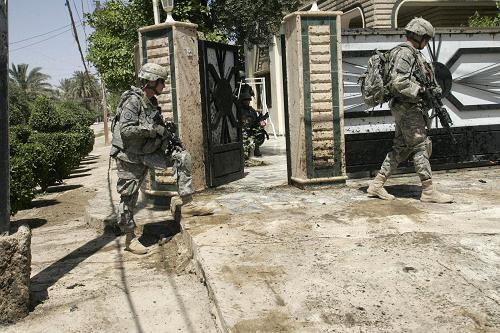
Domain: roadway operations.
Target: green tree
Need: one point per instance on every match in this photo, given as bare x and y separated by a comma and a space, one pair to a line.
253, 22
84, 88
479, 21
19, 112
64, 87
111, 45
31, 82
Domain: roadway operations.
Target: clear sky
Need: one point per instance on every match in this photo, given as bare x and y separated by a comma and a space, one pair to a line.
55, 51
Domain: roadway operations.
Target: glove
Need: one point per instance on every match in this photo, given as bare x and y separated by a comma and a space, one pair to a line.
160, 130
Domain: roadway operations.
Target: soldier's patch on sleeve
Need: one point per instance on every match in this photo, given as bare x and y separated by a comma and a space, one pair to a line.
128, 115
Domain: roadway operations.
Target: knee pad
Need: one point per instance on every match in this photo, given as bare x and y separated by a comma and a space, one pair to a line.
183, 161
428, 147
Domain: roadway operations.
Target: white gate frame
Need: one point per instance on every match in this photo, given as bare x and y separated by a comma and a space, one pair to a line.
259, 83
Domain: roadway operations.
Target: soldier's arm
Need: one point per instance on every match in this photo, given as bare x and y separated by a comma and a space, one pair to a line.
401, 79
129, 121
437, 88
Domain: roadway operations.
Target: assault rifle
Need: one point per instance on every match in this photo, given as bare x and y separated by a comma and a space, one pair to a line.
173, 141
432, 98
169, 138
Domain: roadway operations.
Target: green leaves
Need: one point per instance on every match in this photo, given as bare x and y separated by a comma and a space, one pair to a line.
479, 21
253, 22
111, 45
29, 82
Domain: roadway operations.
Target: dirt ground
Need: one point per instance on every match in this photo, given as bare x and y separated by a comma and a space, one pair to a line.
273, 258
83, 280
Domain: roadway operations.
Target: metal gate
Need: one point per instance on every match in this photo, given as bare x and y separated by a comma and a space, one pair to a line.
224, 159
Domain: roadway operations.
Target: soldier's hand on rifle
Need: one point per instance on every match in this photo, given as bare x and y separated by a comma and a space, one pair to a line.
160, 130
436, 91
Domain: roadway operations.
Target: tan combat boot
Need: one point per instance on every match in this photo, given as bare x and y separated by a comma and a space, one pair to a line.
188, 208
429, 194
133, 245
376, 188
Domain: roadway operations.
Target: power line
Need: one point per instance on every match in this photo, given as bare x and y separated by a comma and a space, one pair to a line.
40, 41
76, 8
40, 35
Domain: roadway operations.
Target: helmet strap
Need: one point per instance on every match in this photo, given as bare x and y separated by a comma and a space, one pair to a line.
147, 85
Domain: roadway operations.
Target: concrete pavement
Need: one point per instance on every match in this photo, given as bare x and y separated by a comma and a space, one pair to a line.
278, 259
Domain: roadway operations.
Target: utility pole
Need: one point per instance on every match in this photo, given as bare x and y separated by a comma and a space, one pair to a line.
4, 121
75, 33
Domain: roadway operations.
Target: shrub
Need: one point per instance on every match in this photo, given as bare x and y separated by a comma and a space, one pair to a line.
18, 115
18, 135
85, 139
74, 115
44, 116
43, 163
479, 21
61, 159
19, 111
22, 184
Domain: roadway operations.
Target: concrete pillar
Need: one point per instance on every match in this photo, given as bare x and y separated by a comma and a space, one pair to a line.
315, 104
175, 46
278, 113
15, 269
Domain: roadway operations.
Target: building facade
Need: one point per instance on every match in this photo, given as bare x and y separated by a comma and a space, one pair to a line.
397, 13
366, 17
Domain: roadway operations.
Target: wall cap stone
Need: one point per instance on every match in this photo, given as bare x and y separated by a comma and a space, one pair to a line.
167, 25
313, 14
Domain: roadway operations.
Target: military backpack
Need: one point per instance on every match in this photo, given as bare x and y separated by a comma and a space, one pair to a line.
375, 81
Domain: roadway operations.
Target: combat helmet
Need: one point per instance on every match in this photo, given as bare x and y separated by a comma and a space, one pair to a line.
420, 27
152, 72
245, 95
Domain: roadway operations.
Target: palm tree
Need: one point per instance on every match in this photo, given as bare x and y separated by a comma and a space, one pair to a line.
30, 83
82, 86
65, 86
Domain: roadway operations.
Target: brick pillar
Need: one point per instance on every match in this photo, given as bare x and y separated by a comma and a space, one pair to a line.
316, 114
175, 46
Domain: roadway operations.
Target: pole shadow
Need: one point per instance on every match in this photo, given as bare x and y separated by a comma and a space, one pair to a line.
50, 275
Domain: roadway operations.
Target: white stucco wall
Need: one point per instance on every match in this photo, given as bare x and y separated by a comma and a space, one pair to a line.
487, 77
368, 40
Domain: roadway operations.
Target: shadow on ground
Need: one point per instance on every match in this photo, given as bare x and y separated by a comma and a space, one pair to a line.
32, 223
50, 275
62, 188
400, 191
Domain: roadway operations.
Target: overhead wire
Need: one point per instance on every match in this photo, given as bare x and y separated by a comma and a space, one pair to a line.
41, 41
40, 35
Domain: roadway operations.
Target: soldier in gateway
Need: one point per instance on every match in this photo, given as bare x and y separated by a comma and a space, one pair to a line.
142, 140
411, 114
253, 124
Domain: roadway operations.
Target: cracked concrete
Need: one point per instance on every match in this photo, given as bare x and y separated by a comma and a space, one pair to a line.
279, 259
275, 258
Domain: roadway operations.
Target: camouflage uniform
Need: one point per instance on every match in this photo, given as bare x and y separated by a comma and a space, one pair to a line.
410, 113
250, 129
138, 145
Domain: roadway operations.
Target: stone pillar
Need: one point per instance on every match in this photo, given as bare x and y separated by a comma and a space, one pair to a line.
315, 105
175, 46
15, 269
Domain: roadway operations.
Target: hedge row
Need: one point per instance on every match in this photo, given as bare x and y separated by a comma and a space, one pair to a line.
44, 152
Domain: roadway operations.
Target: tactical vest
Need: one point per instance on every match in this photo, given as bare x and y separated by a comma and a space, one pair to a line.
148, 116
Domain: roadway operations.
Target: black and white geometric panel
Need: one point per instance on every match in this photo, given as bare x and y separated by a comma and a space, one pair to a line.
475, 79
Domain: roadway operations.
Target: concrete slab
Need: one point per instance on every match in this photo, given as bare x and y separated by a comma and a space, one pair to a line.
279, 259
